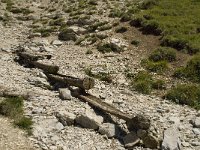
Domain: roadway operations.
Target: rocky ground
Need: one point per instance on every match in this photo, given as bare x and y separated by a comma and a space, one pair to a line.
57, 122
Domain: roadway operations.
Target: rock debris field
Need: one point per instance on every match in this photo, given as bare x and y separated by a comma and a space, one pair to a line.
64, 122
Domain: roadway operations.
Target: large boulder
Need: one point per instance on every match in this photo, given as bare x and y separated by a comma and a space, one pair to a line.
89, 120
171, 139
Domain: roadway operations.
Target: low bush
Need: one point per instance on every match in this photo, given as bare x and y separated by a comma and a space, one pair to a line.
158, 84
185, 94
163, 54
191, 71
115, 13
148, 4
45, 32
143, 82
105, 48
158, 67
24, 11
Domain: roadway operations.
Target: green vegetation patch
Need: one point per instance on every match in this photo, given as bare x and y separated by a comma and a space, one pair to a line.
185, 94
177, 22
143, 82
163, 54
191, 71
158, 67
13, 107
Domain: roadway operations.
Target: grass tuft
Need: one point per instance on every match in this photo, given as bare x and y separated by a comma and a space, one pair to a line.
185, 94
13, 107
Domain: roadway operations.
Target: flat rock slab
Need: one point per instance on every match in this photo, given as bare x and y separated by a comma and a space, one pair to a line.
171, 139
89, 120
109, 129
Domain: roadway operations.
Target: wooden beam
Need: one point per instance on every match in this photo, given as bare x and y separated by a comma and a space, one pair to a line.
85, 83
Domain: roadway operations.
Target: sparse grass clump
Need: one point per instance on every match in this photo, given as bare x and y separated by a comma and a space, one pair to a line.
96, 26
13, 107
24, 11
158, 67
106, 48
185, 94
45, 32
191, 71
143, 82
103, 76
115, 13
57, 22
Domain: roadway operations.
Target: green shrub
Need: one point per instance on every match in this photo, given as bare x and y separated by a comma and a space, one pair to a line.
105, 27
13, 107
143, 75
158, 67
148, 4
126, 17
142, 82
143, 87
57, 22
95, 26
115, 13
158, 84
105, 48
93, 2
180, 73
121, 30
185, 94
45, 31
163, 54
24, 11
24, 123
191, 71
104, 77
